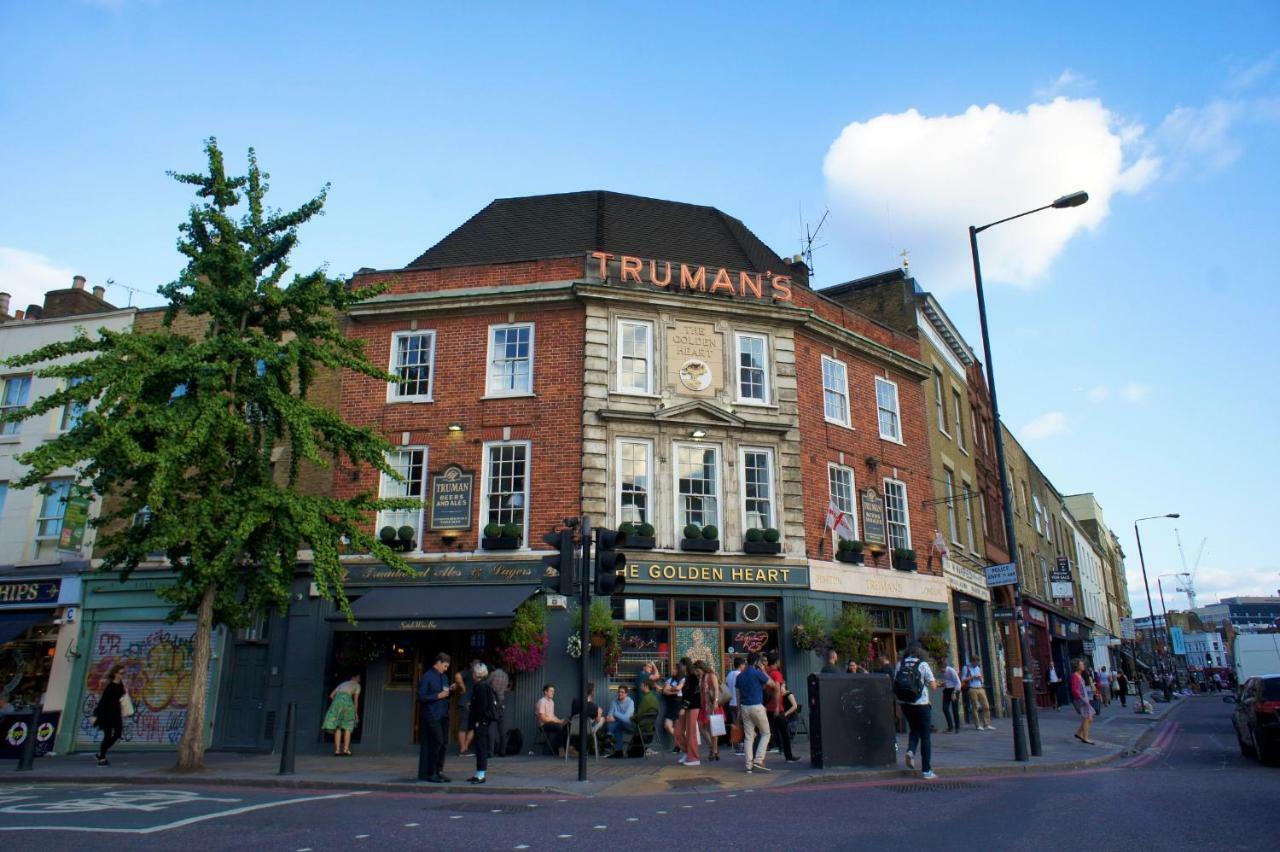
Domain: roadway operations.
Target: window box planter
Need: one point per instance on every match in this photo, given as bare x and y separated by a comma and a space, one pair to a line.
700, 545
904, 564
501, 542
639, 542
849, 556
772, 548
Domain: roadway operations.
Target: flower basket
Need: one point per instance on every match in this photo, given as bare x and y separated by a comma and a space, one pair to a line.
598, 640
904, 559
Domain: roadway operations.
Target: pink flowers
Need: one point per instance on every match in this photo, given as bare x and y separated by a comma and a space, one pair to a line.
528, 658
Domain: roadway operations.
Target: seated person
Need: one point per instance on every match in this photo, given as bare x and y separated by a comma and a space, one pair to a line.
556, 729
619, 721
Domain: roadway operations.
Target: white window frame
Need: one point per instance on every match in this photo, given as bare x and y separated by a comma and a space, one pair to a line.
906, 511
852, 510
774, 510
41, 517
486, 472
15, 427
388, 488
73, 411
842, 392
650, 493
938, 400
968, 515
953, 521
1038, 511
766, 384
393, 388
490, 375
896, 410
647, 325
958, 402
677, 514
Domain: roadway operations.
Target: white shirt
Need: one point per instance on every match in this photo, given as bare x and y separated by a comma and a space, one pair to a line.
950, 679
926, 675
730, 681
974, 673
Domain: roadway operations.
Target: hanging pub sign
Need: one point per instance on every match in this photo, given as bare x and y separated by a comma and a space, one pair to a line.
873, 518
75, 520
452, 499
689, 278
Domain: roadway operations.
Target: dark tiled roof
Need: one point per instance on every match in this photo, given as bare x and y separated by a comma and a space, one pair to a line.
541, 226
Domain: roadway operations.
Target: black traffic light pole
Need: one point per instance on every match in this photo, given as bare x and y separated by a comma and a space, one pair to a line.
584, 602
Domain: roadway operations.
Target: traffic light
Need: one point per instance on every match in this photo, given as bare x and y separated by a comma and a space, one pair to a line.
610, 563
562, 559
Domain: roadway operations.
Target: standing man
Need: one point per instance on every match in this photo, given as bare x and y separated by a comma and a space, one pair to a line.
1104, 685
911, 684
832, 664
777, 708
499, 683
731, 710
951, 697
433, 692
750, 684
972, 677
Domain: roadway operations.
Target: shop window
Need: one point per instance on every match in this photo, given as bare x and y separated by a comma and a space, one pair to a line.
506, 484
757, 489
635, 356
697, 610
12, 397
411, 464
896, 514
640, 609
887, 411
413, 364
697, 485
835, 391
753, 368
635, 475
899, 619
510, 360
750, 639
751, 612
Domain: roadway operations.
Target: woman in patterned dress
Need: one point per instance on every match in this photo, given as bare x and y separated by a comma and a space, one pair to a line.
341, 718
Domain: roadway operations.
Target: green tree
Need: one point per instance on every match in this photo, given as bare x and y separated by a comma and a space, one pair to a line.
187, 427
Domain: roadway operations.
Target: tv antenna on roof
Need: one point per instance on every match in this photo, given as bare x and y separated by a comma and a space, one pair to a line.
132, 290
808, 237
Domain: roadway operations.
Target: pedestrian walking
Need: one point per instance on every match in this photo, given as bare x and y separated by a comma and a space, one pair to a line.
911, 684
750, 684
341, 718
109, 714
500, 683
776, 707
1051, 681
1081, 699
483, 711
691, 708
1104, 685
671, 690
433, 693
732, 709
1122, 686
951, 697
972, 675
710, 688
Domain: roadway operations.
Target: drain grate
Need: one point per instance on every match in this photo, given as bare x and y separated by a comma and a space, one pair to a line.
696, 781
927, 786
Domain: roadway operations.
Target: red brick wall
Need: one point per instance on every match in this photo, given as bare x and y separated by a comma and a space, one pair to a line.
822, 442
551, 420
489, 275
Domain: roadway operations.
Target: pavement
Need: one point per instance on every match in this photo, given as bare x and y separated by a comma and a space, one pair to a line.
1117, 732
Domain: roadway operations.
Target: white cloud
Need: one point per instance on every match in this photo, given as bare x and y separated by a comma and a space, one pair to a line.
1068, 82
1134, 392
1212, 583
916, 181
27, 276
1192, 136
1045, 426
1248, 76
1099, 393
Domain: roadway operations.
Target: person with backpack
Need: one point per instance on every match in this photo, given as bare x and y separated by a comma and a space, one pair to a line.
912, 681
483, 711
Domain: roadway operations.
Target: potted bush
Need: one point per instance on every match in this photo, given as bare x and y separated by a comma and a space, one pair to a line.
405, 536
852, 633
810, 632
934, 638
639, 536
849, 550
702, 539
762, 541
501, 537
904, 559
604, 631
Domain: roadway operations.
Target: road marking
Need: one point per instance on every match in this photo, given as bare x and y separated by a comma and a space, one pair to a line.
530, 806
523, 846
633, 819
411, 825
662, 812
600, 827
183, 822
564, 836
361, 836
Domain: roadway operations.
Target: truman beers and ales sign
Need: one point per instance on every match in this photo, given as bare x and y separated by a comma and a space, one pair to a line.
451, 499
873, 517
688, 278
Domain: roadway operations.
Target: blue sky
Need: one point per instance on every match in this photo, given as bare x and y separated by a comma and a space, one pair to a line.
1131, 335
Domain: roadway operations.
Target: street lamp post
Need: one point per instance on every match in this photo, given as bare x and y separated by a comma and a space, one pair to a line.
1168, 629
1075, 199
1151, 610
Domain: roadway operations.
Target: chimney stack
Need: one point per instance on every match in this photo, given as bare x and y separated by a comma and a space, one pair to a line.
77, 283
18, 314
99, 292
4, 304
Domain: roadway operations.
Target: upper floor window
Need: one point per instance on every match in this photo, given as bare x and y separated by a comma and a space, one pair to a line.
14, 396
413, 360
835, 391
506, 481
53, 508
753, 368
967, 497
887, 410
897, 518
510, 359
411, 464
697, 485
4, 494
635, 481
949, 483
840, 488
938, 403
959, 407
73, 410
1037, 514
635, 356
757, 489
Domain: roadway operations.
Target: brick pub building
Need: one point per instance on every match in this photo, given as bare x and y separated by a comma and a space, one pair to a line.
638, 361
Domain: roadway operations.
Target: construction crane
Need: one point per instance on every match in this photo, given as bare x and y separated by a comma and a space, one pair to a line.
1189, 577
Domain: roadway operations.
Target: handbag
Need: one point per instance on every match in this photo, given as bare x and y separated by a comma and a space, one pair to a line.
126, 706
735, 733
716, 723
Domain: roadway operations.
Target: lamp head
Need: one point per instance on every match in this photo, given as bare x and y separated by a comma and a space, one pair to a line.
1075, 199
1173, 515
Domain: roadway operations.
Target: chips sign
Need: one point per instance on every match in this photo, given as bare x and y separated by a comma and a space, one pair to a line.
1004, 574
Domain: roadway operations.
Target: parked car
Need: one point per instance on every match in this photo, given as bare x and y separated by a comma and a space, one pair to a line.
1257, 718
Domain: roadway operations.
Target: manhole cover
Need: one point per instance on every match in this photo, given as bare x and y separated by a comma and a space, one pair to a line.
696, 781
926, 786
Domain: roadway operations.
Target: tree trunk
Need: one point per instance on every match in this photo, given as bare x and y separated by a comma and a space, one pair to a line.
191, 746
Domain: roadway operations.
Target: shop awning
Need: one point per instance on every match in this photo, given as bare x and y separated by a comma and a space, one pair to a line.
14, 624
477, 607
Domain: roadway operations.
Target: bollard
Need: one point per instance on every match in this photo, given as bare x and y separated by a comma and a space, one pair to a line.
27, 761
1019, 731
290, 738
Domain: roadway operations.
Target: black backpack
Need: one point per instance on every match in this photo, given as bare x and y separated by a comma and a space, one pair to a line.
908, 685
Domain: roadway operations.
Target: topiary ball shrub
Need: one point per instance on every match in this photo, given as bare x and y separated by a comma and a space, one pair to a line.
405, 533
492, 530
510, 530
710, 533
645, 530
754, 535
387, 534
772, 536
693, 531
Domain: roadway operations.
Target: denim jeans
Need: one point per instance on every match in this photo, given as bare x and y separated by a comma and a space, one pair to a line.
919, 719
619, 732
